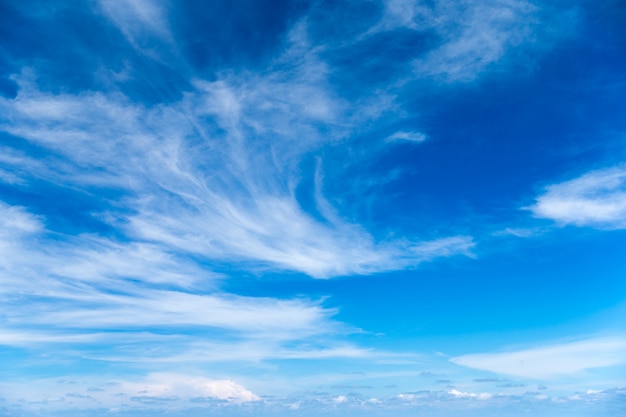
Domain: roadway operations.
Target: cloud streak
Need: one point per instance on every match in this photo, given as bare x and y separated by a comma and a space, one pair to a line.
489, 32
596, 199
552, 360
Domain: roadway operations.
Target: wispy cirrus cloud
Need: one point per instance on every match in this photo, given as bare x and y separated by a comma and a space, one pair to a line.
416, 137
489, 31
91, 293
473, 36
596, 199
139, 21
550, 361
236, 202
16, 221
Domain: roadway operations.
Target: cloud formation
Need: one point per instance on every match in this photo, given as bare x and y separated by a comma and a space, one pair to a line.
222, 191
416, 137
159, 385
180, 394
552, 360
596, 199
489, 32
172, 174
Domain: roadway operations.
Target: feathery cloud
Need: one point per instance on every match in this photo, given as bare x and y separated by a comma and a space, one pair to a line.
596, 199
551, 360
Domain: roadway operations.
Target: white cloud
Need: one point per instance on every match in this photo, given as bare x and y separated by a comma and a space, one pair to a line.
411, 136
461, 394
168, 308
487, 30
448, 246
71, 290
172, 391
62, 296
519, 232
138, 19
551, 360
16, 221
339, 399
225, 192
100, 261
186, 386
18, 228
596, 199
474, 34
175, 393
15, 166
399, 13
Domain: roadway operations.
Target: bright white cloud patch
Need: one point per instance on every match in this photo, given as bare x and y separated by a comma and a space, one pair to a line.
461, 394
160, 385
552, 360
596, 199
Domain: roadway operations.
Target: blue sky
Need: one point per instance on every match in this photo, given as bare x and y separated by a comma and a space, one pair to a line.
299, 208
